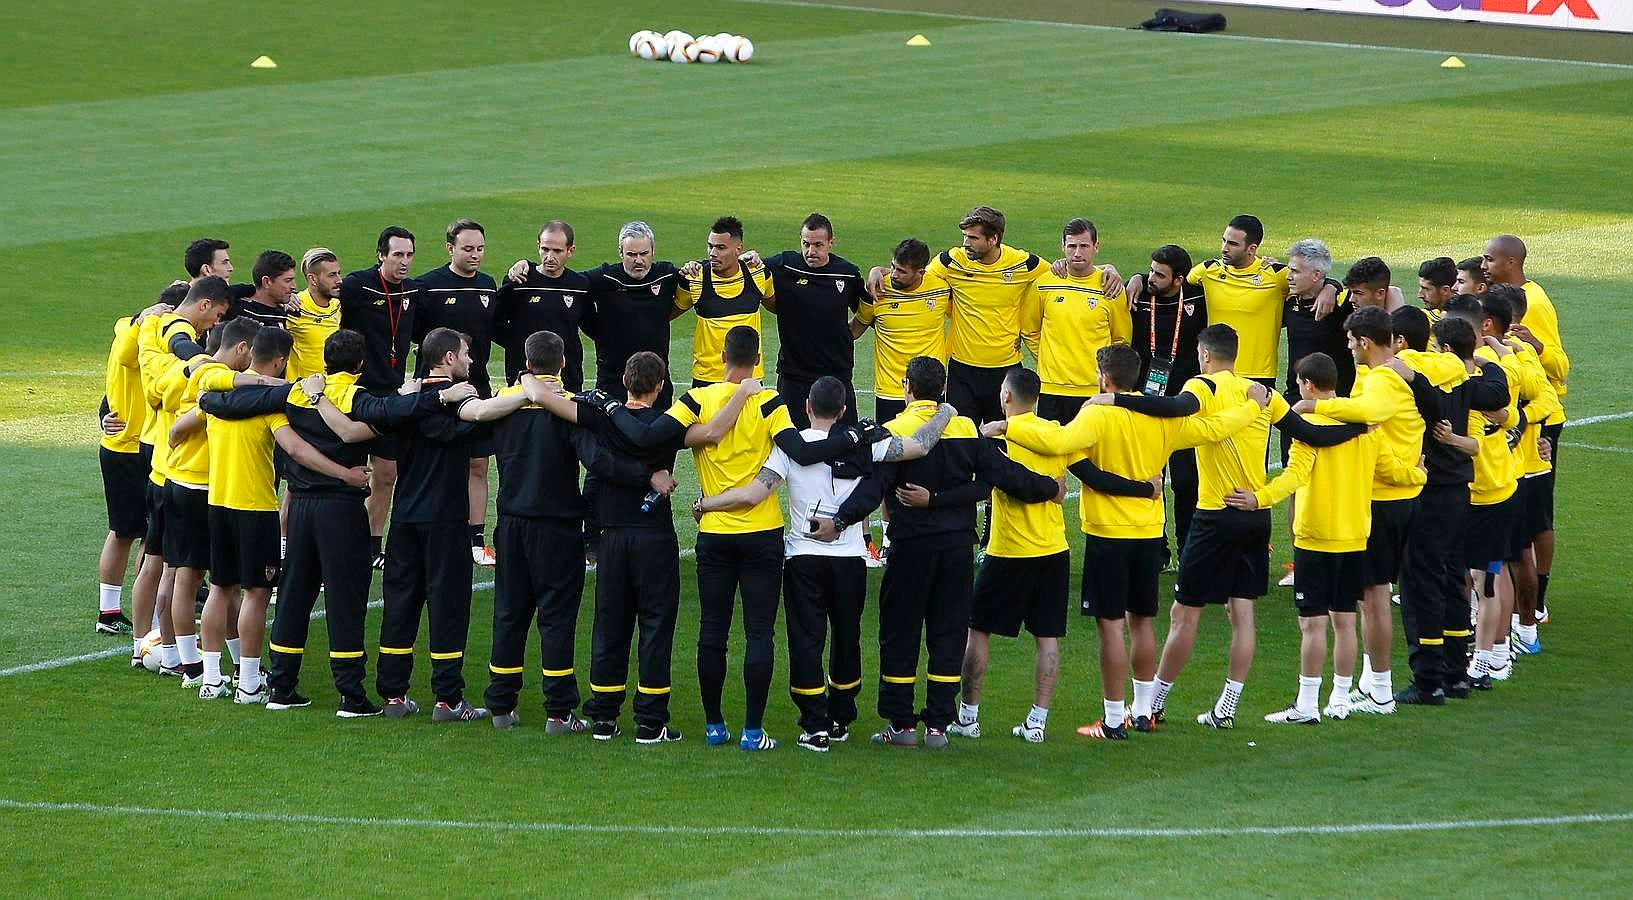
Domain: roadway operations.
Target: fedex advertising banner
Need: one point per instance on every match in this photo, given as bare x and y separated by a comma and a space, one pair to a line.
1596, 15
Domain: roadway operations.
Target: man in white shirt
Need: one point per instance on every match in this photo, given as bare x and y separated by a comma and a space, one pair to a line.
824, 581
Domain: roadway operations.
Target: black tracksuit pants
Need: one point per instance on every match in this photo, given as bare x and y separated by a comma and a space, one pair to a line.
1183, 482
539, 578
428, 565
925, 593
822, 593
328, 548
637, 586
1433, 600
727, 563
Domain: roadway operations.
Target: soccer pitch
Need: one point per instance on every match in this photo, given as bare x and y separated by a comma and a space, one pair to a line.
130, 132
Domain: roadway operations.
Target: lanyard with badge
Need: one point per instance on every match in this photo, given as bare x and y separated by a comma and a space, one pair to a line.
1156, 382
394, 317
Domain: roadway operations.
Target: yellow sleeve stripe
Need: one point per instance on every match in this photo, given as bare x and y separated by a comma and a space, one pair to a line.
898, 679
806, 692
945, 679
451, 654
1431, 642
345, 654
558, 673
652, 690
292, 651
610, 688
505, 670
844, 687
397, 651
1458, 633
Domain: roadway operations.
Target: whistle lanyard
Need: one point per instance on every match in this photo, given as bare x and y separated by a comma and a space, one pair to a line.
394, 317
1179, 317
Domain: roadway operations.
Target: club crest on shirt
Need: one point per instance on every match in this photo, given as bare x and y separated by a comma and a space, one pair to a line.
655, 288
484, 301
1094, 302
405, 304
1009, 276
930, 303
567, 300
1258, 280
1190, 309
839, 285
271, 574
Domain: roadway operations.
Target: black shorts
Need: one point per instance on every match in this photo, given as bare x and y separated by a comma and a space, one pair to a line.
1391, 526
1553, 434
885, 409
186, 526
1328, 582
124, 490
244, 547
1227, 554
1010, 590
385, 446
153, 543
1120, 576
973, 390
1060, 409
1538, 514
1488, 534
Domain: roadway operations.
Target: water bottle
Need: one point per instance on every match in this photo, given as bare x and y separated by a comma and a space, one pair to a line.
650, 501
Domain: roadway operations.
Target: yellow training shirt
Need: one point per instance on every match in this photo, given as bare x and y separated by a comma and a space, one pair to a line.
905, 324
1383, 398
738, 457
1496, 468
189, 461
1334, 509
1237, 461
310, 329
986, 314
1250, 300
1028, 530
718, 315
1543, 319
1064, 321
122, 385
159, 366
1542, 407
241, 473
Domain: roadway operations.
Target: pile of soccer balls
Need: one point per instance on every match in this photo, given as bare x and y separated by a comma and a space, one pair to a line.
678, 46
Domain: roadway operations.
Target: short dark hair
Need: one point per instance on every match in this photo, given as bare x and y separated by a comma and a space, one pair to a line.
1120, 364
1024, 384
1250, 226
382, 245
816, 221
742, 344
1175, 258
1411, 325
439, 343
1080, 225
1371, 323
1476, 269
271, 343
989, 220
200, 253
926, 378
1466, 307
1456, 333
558, 225
1219, 340
1368, 271
1440, 271
730, 225
343, 352
174, 294
912, 253
546, 354
827, 397
1319, 370
1518, 302
242, 330
213, 287
459, 225
644, 373
271, 264
1497, 304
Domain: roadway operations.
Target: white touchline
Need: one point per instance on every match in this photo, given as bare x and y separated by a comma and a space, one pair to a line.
790, 831
1594, 420
1596, 447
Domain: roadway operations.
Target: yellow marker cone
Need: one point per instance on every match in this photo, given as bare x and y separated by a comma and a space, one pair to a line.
1453, 62
918, 40
263, 62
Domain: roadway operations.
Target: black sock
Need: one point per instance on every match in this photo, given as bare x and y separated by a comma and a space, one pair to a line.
375, 543
1542, 590
478, 539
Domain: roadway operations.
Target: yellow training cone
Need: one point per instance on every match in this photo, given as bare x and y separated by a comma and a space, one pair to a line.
918, 40
263, 62
1453, 62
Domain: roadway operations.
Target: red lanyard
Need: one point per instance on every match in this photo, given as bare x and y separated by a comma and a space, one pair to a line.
393, 315
1179, 316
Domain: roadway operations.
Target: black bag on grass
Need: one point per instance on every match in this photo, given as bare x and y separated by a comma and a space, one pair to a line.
1189, 22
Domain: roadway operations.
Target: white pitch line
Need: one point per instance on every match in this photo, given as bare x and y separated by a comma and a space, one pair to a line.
1339, 828
1596, 447
1594, 420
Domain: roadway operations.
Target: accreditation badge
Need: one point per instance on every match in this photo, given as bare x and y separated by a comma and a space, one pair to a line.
1156, 382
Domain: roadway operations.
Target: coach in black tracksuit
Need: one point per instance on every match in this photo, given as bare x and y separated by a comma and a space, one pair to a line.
928, 586
816, 293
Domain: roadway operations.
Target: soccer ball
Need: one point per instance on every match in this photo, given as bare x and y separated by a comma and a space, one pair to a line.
638, 36
708, 49
740, 52
652, 46
683, 51
150, 650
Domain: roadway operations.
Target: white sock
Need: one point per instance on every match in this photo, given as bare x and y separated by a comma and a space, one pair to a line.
249, 674
884, 534
1499, 654
212, 666
1161, 700
187, 647
1366, 674
1309, 690
1038, 717
168, 657
1340, 688
136, 645
1143, 692
1528, 633
233, 649
1225, 706
154, 625
111, 596
1481, 664
1114, 713
1514, 622
1383, 687
969, 712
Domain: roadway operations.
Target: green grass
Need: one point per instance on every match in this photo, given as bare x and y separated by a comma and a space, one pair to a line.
131, 132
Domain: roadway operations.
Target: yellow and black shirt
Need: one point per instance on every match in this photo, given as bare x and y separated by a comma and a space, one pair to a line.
1028, 530
189, 461
1251, 300
722, 304
1543, 319
240, 461
986, 313
1334, 509
122, 385
905, 324
1065, 320
1383, 399
1238, 460
310, 327
738, 457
